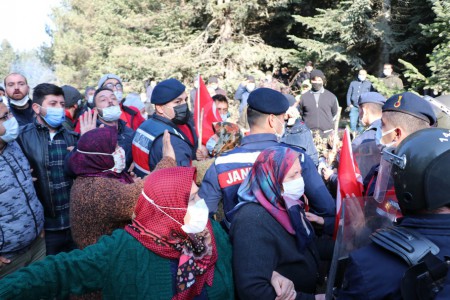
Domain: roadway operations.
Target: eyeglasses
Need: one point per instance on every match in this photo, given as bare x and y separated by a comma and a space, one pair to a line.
111, 86
6, 117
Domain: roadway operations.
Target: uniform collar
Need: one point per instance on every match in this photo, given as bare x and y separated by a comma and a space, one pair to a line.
259, 137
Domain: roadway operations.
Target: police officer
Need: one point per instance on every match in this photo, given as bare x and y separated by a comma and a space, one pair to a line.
172, 114
265, 113
365, 149
421, 164
403, 114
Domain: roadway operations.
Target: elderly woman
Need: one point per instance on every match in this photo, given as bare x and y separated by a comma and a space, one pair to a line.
103, 195
277, 235
171, 250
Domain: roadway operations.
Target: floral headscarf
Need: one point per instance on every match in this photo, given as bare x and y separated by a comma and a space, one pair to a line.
229, 135
264, 185
161, 232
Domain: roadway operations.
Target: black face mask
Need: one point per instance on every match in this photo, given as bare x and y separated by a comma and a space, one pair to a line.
316, 86
181, 114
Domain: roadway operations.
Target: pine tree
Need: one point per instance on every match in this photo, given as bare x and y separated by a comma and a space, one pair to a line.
161, 39
8, 57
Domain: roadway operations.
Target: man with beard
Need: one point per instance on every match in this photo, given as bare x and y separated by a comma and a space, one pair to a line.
17, 90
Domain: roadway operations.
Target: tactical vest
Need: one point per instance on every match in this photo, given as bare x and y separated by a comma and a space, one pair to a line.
143, 141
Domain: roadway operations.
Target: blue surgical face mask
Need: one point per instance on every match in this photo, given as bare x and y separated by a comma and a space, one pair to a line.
54, 117
12, 130
210, 144
224, 117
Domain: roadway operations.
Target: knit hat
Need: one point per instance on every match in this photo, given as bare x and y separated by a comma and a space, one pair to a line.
317, 73
166, 91
102, 80
71, 96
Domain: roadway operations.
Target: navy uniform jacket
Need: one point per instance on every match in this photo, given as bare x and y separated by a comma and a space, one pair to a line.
299, 135
375, 273
223, 178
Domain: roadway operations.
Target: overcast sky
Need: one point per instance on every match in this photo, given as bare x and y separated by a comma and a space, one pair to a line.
22, 22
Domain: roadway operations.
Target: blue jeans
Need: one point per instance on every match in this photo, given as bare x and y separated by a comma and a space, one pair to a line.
354, 119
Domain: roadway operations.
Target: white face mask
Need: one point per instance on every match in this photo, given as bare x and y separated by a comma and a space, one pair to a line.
12, 130
361, 77
119, 95
20, 103
196, 217
294, 189
224, 117
387, 72
250, 87
111, 113
90, 99
280, 135
119, 160
383, 134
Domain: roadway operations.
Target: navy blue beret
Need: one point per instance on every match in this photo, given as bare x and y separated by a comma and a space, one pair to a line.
166, 91
371, 97
268, 101
410, 103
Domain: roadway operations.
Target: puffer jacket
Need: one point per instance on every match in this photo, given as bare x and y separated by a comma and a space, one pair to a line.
33, 139
21, 214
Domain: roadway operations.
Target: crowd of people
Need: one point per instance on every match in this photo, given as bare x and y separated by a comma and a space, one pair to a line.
107, 196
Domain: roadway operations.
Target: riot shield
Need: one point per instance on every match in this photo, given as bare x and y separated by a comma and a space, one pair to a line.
359, 219
367, 155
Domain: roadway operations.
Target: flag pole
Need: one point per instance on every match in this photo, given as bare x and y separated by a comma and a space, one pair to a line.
336, 128
200, 129
198, 104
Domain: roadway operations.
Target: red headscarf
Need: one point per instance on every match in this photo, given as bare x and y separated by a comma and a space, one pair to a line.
99, 140
160, 231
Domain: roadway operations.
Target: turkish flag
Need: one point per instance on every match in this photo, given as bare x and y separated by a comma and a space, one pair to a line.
349, 177
203, 101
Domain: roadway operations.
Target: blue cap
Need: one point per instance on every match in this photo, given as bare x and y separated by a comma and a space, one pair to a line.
410, 103
268, 101
371, 97
166, 91
105, 77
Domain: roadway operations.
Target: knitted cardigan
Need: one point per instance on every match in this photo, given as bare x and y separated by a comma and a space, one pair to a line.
118, 265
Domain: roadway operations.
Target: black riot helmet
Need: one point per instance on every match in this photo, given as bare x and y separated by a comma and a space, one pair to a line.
421, 164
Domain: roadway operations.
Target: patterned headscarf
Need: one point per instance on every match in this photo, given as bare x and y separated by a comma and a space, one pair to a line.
90, 164
161, 233
229, 135
264, 185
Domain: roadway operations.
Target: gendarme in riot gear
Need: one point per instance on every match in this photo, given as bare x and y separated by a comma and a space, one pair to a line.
410, 260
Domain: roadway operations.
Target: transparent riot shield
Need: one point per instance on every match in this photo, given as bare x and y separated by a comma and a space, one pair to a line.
359, 219
367, 155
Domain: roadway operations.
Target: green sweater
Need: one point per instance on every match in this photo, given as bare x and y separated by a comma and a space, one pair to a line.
118, 265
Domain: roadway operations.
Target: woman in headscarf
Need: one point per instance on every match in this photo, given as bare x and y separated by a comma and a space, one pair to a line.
226, 137
277, 236
103, 195
170, 251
